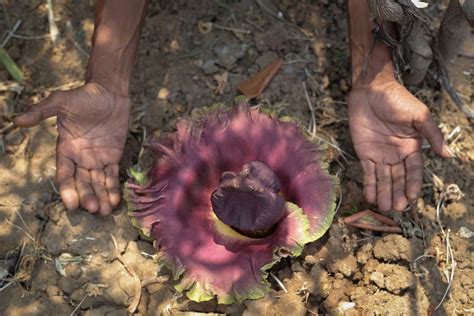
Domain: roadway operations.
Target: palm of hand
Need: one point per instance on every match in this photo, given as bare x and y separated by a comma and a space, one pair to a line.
386, 126
92, 128
92, 134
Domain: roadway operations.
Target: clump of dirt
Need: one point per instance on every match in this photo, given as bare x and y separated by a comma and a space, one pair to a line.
57, 262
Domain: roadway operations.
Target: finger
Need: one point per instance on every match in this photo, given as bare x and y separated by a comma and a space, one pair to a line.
98, 183
384, 187
39, 112
112, 184
369, 180
399, 200
414, 177
432, 133
67, 186
86, 192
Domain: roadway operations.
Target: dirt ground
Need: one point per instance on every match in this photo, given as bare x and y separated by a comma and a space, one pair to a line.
54, 262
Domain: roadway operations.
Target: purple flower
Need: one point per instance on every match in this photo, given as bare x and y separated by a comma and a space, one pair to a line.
227, 197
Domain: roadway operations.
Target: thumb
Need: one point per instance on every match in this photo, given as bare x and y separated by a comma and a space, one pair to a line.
39, 112
428, 128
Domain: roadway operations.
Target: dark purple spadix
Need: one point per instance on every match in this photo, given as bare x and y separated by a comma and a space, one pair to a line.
248, 201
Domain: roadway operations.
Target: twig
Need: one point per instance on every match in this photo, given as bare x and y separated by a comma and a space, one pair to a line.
29, 37
280, 284
255, 25
53, 185
226, 28
21, 229
312, 125
5, 286
23, 222
6, 127
449, 250
70, 35
450, 277
79, 305
342, 152
11, 33
53, 28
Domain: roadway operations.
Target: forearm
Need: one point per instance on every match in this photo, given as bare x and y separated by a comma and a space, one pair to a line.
370, 59
114, 44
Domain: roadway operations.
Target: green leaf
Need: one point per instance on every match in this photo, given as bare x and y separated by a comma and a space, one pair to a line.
12, 68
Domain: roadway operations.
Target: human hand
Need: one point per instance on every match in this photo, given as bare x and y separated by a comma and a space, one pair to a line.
387, 124
92, 129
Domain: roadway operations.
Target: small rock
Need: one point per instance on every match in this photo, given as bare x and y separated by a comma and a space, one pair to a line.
465, 233
345, 306
229, 54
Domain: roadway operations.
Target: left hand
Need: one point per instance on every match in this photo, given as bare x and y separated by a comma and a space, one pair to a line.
387, 124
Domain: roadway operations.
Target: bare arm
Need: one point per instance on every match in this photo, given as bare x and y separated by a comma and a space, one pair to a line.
116, 34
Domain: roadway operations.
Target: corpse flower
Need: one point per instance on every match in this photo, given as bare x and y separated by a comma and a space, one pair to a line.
227, 196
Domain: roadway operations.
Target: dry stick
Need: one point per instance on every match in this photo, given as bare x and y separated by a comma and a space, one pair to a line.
11, 33
226, 28
29, 37
312, 125
6, 127
21, 229
79, 305
280, 284
70, 35
449, 251
53, 28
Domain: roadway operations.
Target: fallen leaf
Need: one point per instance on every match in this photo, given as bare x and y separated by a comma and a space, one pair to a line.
221, 81
254, 86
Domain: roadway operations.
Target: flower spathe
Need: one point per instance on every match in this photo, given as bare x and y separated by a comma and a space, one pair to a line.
173, 204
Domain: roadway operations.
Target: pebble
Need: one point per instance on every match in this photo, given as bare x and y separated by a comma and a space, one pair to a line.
229, 54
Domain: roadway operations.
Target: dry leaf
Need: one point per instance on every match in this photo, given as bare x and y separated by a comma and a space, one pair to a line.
254, 86
221, 82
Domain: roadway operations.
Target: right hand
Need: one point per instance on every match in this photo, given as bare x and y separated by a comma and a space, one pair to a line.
387, 124
92, 129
